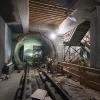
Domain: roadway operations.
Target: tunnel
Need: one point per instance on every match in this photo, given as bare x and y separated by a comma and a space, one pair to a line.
49, 49
34, 49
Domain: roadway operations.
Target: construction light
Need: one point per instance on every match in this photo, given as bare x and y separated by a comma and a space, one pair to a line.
52, 36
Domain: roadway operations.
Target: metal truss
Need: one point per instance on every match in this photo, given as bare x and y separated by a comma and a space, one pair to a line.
72, 53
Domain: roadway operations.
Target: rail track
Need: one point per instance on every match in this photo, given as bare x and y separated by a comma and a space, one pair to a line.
67, 91
53, 89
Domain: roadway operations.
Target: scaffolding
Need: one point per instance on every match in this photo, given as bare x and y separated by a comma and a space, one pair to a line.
72, 54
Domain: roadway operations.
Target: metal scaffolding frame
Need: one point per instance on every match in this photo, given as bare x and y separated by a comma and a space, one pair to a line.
72, 53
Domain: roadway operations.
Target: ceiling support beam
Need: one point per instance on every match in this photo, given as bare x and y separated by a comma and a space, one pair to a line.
23, 8
49, 5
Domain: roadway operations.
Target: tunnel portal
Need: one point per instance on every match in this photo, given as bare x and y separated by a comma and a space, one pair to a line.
33, 49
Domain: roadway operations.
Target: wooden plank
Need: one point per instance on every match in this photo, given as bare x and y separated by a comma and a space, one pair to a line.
48, 5
47, 10
97, 71
46, 21
46, 13
87, 76
46, 18
39, 94
93, 85
47, 98
73, 76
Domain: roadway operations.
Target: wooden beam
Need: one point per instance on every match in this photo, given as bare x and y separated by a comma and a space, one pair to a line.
49, 16
45, 18
49, 5
41, 16
46, 12
87, 76
53, 22
48, 8
46, 21
57, 22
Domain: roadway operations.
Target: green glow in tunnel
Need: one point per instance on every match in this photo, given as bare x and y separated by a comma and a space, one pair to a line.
34, 47
28, 44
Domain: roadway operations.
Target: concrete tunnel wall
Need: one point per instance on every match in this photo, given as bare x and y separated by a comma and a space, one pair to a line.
21, 41
5, 44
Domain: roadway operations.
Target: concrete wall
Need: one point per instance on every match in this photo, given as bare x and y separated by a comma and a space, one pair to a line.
8, 44
95, 38
58, 42
2, 43
5, 44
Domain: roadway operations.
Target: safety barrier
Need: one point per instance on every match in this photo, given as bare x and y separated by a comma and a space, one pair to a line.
89, 77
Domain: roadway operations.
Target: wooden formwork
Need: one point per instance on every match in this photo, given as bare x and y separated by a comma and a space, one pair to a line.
89, 77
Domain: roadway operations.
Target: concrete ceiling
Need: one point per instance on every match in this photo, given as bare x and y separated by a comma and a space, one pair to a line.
47, 12
16, 14
32, 14
6, 10
23, 10
82, 13
45, 15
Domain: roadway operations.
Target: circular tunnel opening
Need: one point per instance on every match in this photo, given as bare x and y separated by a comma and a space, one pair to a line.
33, 49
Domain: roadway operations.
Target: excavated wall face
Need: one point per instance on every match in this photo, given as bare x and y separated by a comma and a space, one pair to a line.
34, 46
58, 42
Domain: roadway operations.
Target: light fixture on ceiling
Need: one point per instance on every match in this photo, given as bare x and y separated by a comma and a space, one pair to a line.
52, 36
